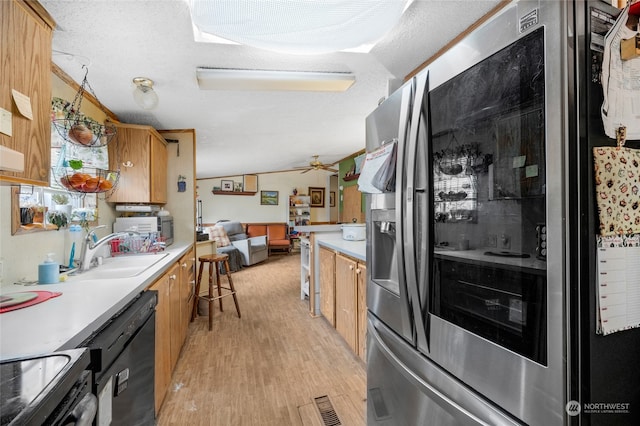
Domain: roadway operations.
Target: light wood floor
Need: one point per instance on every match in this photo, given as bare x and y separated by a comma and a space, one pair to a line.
267, 367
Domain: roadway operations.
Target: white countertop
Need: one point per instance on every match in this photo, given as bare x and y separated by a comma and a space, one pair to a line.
65, 321
356, 249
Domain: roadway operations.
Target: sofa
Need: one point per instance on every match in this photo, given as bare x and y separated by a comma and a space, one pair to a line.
277, 235
252, 249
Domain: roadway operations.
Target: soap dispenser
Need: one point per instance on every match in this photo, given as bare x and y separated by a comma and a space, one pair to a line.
48, 271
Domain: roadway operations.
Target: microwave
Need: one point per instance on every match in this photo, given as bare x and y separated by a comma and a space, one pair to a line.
145, 225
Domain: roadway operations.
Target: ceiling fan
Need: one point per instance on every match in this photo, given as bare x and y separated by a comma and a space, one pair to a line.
316, 164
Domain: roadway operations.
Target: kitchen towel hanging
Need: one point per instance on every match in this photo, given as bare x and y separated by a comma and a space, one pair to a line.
621, 106
378, 172
617, 188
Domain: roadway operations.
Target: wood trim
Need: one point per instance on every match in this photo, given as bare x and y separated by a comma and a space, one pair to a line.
66, 78
446, 47
143, 127
41, 12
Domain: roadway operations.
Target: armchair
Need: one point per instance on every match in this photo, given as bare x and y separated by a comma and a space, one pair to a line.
278, 237
252, 249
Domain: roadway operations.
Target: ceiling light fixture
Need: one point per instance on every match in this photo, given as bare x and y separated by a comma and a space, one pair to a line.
144, 95
296, 26
239, 79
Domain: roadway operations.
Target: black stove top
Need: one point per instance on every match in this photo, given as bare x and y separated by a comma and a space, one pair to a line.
29, 386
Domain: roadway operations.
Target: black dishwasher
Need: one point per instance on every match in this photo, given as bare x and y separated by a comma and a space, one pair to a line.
123, 361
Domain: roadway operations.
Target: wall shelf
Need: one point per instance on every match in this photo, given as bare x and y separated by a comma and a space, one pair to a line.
232, 193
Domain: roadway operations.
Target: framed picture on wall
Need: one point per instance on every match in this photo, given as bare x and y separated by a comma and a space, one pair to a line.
251, 183
226, 185
269, 198
317, 197
332, 198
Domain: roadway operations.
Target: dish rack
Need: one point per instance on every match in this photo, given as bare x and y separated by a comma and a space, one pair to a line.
138, 244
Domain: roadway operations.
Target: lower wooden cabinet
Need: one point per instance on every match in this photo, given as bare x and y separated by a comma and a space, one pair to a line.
163, 368
327, 284
187, 291
343, 297
173, 314
361, 277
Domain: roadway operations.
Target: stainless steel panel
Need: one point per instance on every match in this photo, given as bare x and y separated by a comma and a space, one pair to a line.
532, 392
386, 289
404, 388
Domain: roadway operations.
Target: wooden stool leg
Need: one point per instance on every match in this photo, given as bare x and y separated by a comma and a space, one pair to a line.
211, 295
219, 286
233, 289
194, 311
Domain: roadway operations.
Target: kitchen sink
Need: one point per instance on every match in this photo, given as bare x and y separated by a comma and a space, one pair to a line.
125, 266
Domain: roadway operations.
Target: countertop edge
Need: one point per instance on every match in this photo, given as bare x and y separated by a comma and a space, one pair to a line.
79, 323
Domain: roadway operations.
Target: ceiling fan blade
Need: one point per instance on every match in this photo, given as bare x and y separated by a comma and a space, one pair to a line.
305, 171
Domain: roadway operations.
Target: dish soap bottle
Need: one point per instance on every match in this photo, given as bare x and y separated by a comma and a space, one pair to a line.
48, 271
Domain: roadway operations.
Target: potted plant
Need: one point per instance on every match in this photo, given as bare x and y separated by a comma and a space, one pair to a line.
182, 183
62, 203
58, 218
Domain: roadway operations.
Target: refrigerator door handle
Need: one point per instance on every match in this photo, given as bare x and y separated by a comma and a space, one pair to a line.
418, 290
463, 416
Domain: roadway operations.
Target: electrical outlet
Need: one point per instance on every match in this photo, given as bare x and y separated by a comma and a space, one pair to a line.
504, 241
492, 240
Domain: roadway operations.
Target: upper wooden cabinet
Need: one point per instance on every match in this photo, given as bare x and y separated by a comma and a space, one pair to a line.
25, 43
141, 155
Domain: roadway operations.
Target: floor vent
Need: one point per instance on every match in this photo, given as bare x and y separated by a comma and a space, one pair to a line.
328, 414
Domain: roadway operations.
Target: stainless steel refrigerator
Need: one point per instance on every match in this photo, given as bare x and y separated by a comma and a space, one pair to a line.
481, 276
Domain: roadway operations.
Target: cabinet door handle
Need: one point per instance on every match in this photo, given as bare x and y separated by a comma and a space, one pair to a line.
184, 265
172, 277
351, 267
358, 271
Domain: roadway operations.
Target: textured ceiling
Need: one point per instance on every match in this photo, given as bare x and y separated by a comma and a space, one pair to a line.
241, 132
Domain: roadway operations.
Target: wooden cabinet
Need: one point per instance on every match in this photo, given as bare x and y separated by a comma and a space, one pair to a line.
361, 278
25, 43
163, 368
343, 297
187, 291
141, 155
351, 303
347, 300
327, 284
175, 295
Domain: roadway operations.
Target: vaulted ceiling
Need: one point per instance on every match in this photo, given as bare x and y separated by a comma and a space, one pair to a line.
240, 132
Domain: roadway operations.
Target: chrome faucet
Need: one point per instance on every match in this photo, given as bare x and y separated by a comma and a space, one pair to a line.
89, 247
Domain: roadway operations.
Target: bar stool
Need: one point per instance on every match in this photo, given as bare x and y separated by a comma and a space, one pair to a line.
214, 261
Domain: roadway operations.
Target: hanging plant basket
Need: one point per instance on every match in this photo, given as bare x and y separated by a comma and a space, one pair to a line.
76, 128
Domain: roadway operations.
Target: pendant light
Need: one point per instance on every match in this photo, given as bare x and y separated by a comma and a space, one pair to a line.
144, 95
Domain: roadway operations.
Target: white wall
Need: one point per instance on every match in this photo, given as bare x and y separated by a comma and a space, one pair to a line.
181, 205
21, 254
247, 208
